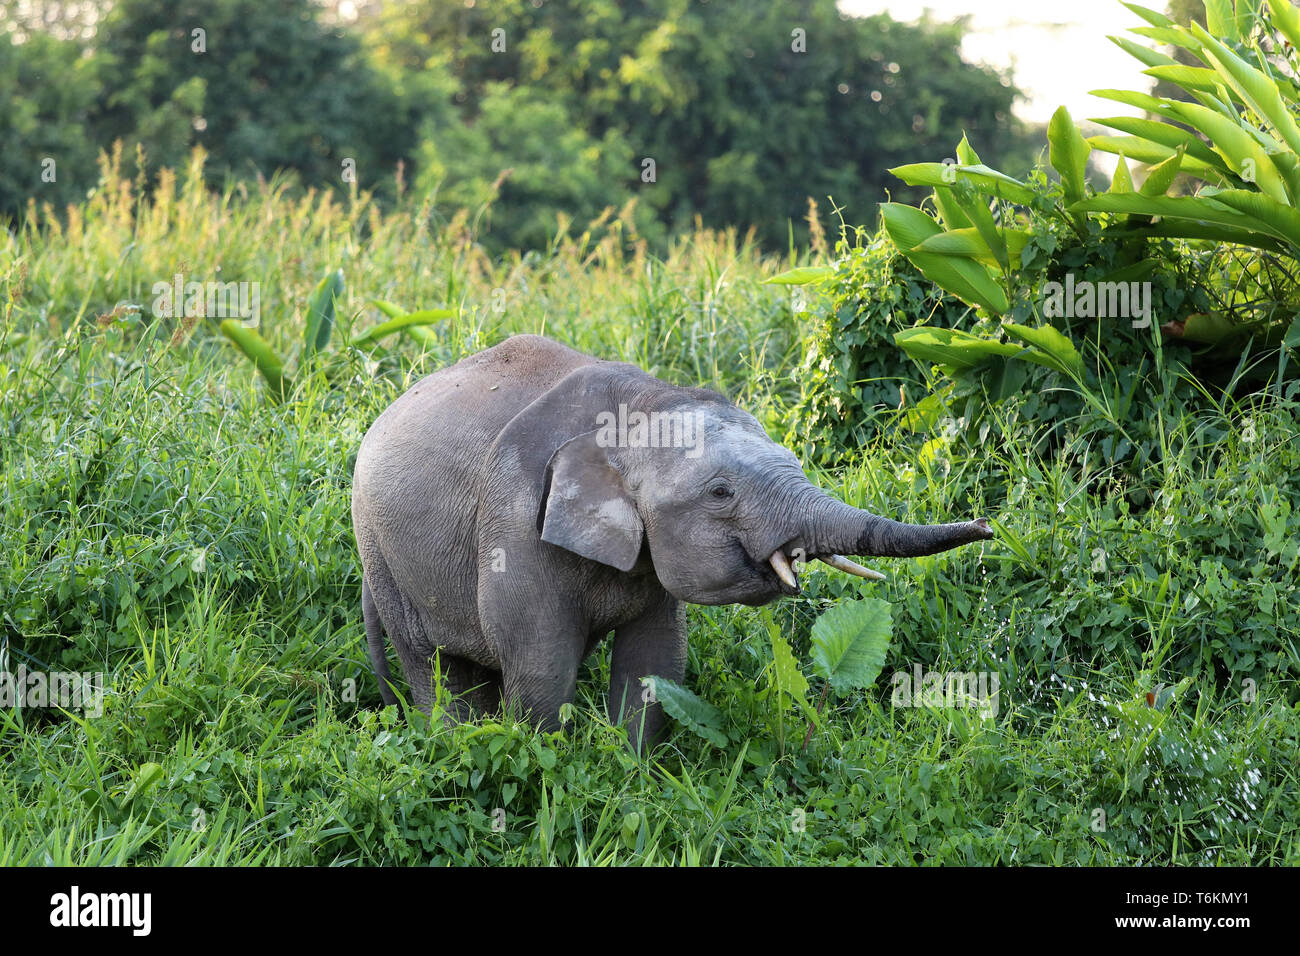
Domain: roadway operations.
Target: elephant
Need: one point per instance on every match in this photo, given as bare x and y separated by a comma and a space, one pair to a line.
513, 509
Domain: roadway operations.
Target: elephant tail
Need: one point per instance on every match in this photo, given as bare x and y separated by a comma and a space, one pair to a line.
375, 644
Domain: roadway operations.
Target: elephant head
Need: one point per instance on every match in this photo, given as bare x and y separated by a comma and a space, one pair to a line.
721, 508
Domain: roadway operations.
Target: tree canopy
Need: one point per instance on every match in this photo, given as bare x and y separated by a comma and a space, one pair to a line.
732, 112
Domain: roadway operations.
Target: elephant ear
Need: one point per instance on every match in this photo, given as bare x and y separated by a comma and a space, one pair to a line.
588, 510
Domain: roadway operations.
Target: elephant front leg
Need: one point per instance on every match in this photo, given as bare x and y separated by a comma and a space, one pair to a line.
652, 645
539, 667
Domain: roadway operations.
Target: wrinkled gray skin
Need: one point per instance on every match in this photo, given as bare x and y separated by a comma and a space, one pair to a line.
495, 527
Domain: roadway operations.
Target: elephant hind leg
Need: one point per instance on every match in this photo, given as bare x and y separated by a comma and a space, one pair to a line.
473, 689
375, 644
416, 636
470, 690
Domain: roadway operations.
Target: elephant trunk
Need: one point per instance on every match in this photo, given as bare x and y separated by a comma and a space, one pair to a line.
835, 529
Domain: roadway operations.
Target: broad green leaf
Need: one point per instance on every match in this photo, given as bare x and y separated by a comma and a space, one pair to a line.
1253, 87
422, 335
1068, 154
1213, 232
801, 276
966, 154
1221, 19
1143, 101
1150, 16
1145, 151
1161, 176
1003, 377
981, 177
692, 712
956, 352
1243, 152
1134, 147
906, 225
422, 317
1208, 328
967, 279
320, 313
951, 349
1122, 181
1172, 36
1188, 77
787, 677
963, 277
1133, 272
146, 777
1139, 52
1275, 217
1238, 208
1054, 349
390, 310
1162, 133
976, 208
1287, 20
949, 209
1288, 164
1182, 207
849, 642
263, 357
969, 242
1292, 338
1221, 102
995, 183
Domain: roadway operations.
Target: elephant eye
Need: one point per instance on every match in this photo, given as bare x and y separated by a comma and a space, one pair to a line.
721, 491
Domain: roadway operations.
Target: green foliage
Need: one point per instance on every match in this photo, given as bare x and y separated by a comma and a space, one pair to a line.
410, 322
274, 87
167, 526
319, 324
1220, 266
45, 120
852, 377
849, 643
688, 709
262, 356
959, 274
575, 97
320, 314
786, 693
787, 679
1252, 176
520, 117
528, 163
1249, 153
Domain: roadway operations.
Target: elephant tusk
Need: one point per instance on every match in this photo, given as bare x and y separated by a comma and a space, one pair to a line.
781, 565
841, 563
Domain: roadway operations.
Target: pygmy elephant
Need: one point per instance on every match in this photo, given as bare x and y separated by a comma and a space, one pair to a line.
513, 509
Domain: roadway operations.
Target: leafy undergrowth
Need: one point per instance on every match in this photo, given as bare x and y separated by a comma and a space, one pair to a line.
166, 524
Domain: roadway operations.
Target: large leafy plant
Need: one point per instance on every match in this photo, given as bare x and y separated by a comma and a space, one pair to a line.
1237, 136
960, 283
849, 643
319, 325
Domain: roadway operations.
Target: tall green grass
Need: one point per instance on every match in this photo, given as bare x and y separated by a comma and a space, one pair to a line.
164, 522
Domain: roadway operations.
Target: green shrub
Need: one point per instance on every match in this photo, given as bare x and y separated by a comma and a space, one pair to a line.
852, 378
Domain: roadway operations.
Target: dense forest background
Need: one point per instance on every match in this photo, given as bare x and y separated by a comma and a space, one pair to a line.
523, 113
